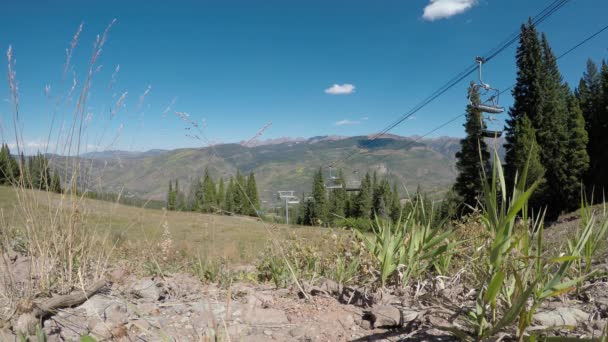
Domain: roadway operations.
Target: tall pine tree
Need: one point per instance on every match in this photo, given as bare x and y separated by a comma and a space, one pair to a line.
319, 206
208, 193
395, 204
253, 200
171, 199
56, 183
589, 95
527, 95
363, 202
473, 157
221, 194
551, 133
577, 159
9, 169
525, 151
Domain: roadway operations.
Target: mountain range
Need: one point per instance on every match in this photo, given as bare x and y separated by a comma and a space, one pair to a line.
279, 164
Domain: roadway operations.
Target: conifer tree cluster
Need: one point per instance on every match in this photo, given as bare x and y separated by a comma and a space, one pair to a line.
546, 125
36, 171
592, 95
562, 135
326, 206
239, 196
9, 167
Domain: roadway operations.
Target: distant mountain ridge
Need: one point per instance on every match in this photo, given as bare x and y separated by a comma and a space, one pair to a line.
280, 164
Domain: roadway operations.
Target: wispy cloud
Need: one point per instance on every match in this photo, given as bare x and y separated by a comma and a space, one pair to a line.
30, 146
340, 89
441, 9
348, 122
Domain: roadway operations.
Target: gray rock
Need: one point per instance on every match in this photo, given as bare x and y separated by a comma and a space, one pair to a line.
364, 324
297, 331
117, 314
266, 316
105, 308
102, 331
147, 309
347, 321
561, 317
387, 316
118, 275
147, 289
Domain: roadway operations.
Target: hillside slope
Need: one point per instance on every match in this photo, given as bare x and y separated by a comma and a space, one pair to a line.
287, 165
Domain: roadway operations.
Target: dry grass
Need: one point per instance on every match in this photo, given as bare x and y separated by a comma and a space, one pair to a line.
233, 238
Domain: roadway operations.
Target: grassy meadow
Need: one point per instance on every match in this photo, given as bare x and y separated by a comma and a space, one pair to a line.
236, 239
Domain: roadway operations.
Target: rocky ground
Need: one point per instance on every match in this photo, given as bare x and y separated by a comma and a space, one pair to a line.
180, 308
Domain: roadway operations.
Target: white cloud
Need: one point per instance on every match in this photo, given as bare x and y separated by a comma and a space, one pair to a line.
340, 89
31, 146
441, 9
349, 122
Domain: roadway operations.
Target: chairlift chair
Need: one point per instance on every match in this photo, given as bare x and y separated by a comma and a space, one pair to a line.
293, 200
490, 103
353, 187
490, 132
334, 181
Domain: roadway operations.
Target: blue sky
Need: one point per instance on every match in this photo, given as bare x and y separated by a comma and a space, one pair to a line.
310, 67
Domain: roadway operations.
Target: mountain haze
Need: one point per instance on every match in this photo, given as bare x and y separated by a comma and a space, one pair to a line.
279, 164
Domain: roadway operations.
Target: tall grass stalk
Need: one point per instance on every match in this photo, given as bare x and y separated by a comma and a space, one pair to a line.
62, 242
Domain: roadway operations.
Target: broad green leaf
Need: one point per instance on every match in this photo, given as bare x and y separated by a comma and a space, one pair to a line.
494, 287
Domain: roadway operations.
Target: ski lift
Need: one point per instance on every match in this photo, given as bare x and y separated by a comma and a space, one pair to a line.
334, 181
489, 132
353, 186
294, 200
490, 104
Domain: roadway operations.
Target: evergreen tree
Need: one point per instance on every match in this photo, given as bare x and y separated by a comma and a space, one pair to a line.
374, 182
39, 173
308, 213
589, 95
473, 157
221, 194
338, 198
253, 202
229, 198
319, 205
551, 132
180, 200
364, 200
526, 151
6, 170
239, 195
527, 95
56, 183
170, 197
577, 159
599, 139
208, 189
395, 204
382, 199
197, 195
